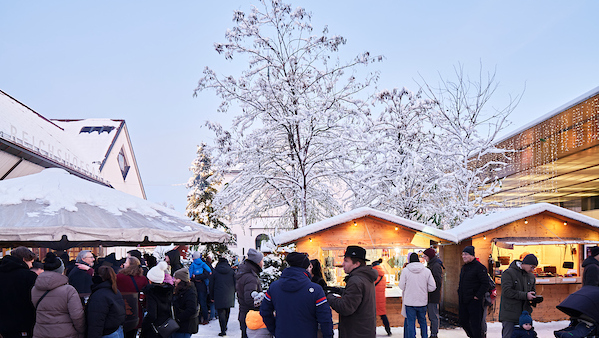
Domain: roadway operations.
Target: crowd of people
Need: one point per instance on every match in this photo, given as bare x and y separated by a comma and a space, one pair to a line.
141, 296
102, 297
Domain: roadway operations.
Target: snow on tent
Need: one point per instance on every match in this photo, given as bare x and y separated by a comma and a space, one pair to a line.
58, 210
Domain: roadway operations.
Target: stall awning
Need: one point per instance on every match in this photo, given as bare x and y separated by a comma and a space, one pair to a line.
509, 242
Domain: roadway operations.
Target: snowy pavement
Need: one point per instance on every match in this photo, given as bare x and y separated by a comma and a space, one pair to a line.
493, 329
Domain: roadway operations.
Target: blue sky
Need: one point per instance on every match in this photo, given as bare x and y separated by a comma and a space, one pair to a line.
140, 60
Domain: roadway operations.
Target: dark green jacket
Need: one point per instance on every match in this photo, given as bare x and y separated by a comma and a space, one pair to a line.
515, 284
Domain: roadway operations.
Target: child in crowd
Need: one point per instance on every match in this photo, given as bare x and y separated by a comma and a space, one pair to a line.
255, 325
525, 329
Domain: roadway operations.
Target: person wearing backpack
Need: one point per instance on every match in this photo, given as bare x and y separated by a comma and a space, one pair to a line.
199, 273
517, 292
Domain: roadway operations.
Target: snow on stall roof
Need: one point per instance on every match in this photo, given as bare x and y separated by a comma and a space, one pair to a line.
293, 235
57, 189
481, 223
95, 144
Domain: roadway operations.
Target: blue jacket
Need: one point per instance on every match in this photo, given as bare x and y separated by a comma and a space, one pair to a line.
300, 306
521, 333
197, 267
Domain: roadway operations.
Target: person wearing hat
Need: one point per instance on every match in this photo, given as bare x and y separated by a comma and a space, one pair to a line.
158, 297
590, 274
517, 290
474, 283
59, 312
199, 273
435, 265
525, 329
300, 304
357, 305
247, 281
185, 305
416, 281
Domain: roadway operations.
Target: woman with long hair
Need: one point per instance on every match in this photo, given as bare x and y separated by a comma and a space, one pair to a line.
381, 300
158, 301
105, 307
131, 279
316, 272
185, 305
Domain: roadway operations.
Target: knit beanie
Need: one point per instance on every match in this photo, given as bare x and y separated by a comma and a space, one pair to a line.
156, 274
255, 256
595, 251
525, 318
299, 260
430, 252
53, 263
469, 249
530, 259
196, 255
414, 257
182, 274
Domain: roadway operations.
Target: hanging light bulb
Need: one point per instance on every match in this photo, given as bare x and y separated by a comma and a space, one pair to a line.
355, 224
525, 221
565, 223
310, 239
396, 228
485, 237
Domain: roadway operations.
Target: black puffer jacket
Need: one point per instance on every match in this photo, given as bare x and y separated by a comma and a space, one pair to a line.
185, 305
357, 306
17, 313
105, 310
474, 282
222, 285
590, 274
158, 305
247, 281
436, 267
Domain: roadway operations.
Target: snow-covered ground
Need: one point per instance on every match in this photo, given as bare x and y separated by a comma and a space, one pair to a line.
493, 329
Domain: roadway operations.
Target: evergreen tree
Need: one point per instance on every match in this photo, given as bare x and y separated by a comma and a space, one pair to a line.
199, 199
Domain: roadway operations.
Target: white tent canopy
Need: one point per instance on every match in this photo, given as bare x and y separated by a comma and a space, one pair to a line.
57, 210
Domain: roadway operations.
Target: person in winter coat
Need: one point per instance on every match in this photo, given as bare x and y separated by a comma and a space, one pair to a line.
517, 290
105, 307
222, 291
158, 301
435, 265
17, 314
185, 305
247, 281
474, 283
416, 281
300, 305
131, 279
357, 305
80, 276
199, 273
525, 330
59, 312
315, 270
381, 300
173, 258
254, 322
590, 274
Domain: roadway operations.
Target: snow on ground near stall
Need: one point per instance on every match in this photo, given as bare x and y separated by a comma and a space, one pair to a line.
493, 329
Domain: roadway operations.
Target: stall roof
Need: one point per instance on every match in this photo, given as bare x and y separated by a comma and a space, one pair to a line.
296, 234
482, 223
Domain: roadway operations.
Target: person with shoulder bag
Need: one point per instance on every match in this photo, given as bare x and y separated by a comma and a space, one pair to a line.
158, 321
130, 282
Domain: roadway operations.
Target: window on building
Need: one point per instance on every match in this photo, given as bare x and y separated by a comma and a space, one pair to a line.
123, 163
261, 239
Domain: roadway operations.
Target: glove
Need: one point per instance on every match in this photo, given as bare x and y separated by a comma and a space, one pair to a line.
258, 297
334, 290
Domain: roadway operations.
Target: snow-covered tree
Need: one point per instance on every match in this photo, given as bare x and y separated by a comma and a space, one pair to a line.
202, 185
298, 104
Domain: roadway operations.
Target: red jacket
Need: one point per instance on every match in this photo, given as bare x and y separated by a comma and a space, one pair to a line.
124, 283
381, 300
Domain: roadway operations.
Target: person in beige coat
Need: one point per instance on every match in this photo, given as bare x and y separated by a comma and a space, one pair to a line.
416, 281
59, 312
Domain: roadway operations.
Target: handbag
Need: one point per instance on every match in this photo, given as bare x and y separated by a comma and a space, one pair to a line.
167, 328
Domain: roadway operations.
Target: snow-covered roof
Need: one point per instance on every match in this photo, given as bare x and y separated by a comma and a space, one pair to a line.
482, 223
96, 136
551, 114
53, 203
296, 234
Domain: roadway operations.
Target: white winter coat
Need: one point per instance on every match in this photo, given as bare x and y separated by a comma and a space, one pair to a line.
416, 281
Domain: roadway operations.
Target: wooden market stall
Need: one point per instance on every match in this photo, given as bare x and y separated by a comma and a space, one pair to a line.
559, 237
383, 235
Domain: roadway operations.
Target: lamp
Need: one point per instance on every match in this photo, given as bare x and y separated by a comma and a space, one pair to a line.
525, 221
396, 228
310, 239
565, 223
355, 224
